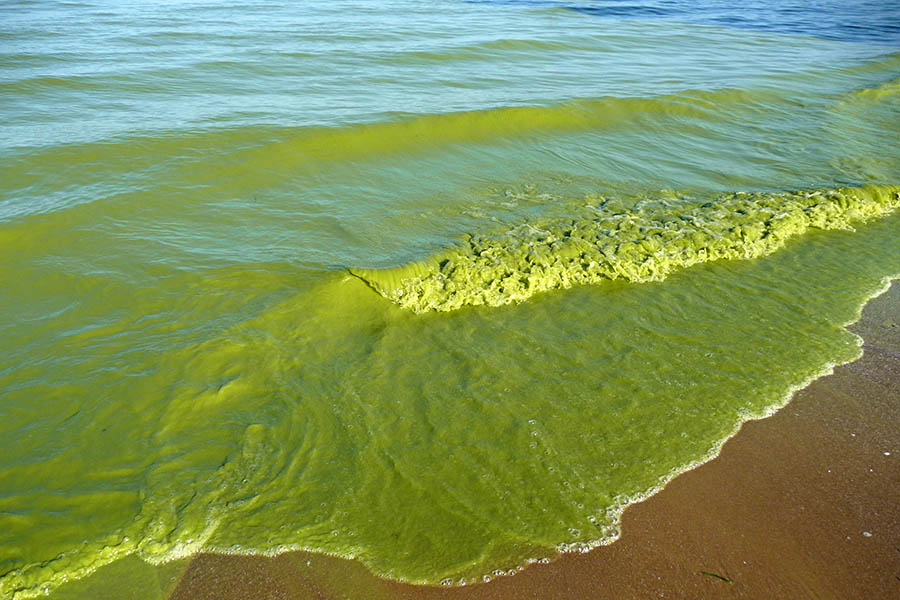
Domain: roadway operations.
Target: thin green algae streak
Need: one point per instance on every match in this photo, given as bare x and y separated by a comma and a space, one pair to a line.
642, 243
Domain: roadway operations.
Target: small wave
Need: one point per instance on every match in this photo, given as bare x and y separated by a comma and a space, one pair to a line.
245, 155
880, 93
638, 244
480, 51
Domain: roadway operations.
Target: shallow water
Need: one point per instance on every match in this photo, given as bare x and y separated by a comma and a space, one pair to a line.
200, 204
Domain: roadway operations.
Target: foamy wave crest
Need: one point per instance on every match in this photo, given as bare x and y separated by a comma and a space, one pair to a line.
641, 243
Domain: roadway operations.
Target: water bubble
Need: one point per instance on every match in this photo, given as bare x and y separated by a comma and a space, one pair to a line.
867, 534
447, 581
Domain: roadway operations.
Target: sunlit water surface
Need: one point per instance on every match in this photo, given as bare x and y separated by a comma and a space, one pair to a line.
200, 203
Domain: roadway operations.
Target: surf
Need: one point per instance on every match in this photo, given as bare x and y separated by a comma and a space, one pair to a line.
608, 242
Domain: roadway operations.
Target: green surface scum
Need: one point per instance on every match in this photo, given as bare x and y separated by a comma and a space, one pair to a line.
640, 244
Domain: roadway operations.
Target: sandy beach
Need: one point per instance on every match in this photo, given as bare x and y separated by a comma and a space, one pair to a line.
799, 505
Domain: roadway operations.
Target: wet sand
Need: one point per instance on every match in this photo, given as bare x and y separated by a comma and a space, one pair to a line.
804, 504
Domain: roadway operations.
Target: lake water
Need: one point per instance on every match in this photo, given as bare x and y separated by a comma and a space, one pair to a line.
438, 285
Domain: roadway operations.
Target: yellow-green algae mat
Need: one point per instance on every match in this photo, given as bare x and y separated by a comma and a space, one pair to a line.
440, 447
641, 243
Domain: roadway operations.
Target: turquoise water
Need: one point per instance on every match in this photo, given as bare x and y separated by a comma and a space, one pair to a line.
441, 286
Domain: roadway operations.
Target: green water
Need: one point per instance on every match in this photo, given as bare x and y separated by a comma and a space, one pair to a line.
438, 286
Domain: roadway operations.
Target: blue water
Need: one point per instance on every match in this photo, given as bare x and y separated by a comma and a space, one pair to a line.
859, 20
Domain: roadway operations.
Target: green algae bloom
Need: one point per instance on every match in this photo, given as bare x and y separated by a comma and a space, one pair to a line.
643, 243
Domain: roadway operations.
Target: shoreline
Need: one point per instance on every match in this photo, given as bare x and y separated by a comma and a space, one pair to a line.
797, 504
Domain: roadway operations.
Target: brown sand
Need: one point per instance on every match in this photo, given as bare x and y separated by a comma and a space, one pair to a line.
805, 504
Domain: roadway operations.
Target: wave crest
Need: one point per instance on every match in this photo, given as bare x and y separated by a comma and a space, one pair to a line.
642, 243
